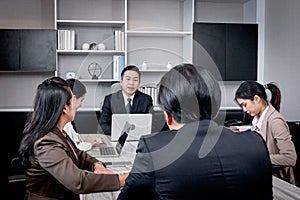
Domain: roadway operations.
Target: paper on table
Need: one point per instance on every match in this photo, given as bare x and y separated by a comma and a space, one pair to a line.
241, 128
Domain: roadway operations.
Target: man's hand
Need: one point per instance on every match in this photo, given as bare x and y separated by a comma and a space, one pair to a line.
122, 178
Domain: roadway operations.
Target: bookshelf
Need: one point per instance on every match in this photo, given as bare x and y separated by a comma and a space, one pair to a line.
155, 38
143, 37
155, 31
93, 23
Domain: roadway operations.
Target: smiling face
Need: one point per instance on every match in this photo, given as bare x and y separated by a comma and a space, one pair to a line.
130, 82
253, 107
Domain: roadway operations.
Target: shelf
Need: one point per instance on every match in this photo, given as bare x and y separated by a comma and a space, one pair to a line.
90, 51
98, 80
154, 70
87, 109
159, 33
90, 22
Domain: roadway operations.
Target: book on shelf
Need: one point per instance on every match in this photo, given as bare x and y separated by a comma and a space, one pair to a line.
66, 39
119, 40
118, 66
152, 91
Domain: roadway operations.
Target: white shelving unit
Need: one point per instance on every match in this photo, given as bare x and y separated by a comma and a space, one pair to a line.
159, 32
94, 22
155, 31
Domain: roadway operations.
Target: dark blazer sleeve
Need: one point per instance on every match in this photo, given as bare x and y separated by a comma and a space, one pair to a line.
142, 103
105, 117
141, 181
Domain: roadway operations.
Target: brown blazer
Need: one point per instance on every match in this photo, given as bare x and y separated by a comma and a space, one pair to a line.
54, 174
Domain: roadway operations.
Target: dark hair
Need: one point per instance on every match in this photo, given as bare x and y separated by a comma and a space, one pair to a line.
189, 93
248, 89
132, 68
51, 97
77, 87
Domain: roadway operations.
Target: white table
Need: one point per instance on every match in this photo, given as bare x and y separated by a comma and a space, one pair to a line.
281, 189
127, 154
284, 191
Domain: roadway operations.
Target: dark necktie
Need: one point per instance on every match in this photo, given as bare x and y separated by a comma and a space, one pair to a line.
128, 106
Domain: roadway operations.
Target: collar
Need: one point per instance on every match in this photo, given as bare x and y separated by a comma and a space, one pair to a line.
257, 121
58, 132
126, 97
69, 144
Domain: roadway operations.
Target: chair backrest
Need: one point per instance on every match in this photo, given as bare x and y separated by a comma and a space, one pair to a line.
115, 87
294, 127
16, 182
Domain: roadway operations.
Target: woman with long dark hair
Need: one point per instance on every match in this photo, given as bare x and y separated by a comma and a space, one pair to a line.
55, 167
267, 121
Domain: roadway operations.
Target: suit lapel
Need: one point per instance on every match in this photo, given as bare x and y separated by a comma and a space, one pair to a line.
117, 102
135, 102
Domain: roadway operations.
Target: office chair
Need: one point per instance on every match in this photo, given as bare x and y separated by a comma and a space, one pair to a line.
294, 127
16, 182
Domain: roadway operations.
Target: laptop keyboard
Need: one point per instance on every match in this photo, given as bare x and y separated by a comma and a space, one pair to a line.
107, 151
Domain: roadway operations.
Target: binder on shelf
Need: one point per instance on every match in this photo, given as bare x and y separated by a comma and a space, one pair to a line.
151, 91
66, 40
118, 66
119, 40
122, 41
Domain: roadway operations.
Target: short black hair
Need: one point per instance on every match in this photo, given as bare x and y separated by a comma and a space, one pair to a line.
77, 87
189, 93
132, 68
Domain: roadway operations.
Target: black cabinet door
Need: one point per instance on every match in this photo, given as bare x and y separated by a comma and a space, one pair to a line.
30, 50
38, 50
229, 51
241, 51
209, 48
9, 50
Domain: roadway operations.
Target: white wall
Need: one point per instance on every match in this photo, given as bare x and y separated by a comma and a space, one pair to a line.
26, 14
282, 52
18, 89
218, 12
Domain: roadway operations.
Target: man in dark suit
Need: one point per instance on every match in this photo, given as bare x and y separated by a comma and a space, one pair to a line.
118, 102
196, 158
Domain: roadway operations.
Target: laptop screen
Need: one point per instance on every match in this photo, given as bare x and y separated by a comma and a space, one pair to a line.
137, 125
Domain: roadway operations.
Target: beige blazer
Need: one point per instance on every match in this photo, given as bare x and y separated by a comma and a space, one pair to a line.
277, 135
282, 151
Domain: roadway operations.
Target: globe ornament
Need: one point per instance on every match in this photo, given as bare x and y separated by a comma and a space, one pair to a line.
85, 46
101, 46
94, 70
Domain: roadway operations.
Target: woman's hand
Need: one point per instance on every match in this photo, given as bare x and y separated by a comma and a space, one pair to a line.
234, 128
100, 169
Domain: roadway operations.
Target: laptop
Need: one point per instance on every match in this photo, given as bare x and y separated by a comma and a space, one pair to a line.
135, 124
107, 149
